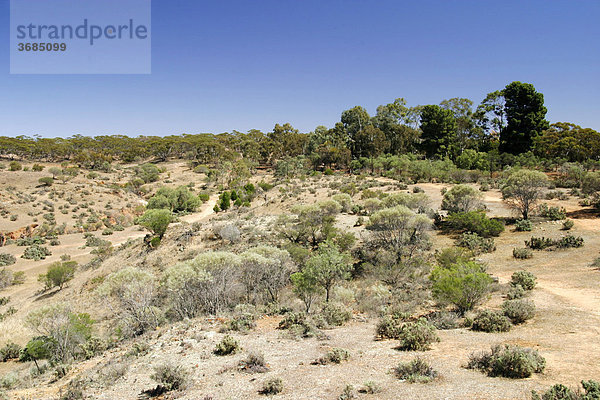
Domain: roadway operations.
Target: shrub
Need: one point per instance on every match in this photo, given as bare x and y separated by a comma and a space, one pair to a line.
561, 392
475, 221
490, 321
515, 292
540, 243
15, 166
333, 356
147, 172
253, 363
476, 243
389, 327
36, 252
453, 255
58, 274
272, 386
415, 371
178, 200
417, 335
171, 377
569, 241
344, 200
518, 310
522, 253
156, 221
7, 259
10, 351
462, 199
228, 345
298, 324
523, 189
552, 213
523, 225
525, 279
463, 285
37, 167
46, 181
334, 315
508, 361
443, 319
567, 224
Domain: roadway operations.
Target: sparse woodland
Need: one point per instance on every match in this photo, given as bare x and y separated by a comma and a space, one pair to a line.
437, 251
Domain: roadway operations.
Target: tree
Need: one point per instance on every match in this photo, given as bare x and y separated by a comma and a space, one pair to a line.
438, 128
364, 139
156, 221
525, 115
305, 287
461, 199
523, 189
464, 285
466, 134
490, 117
58, 274
570, 141
327, 267
393, 119
38, 348
177, 200
46, 181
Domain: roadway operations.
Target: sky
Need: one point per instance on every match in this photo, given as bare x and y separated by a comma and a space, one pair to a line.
226, 65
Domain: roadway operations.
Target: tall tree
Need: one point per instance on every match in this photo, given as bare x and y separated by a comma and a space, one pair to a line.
438, 127
466, 130
364, 139
393, 121
525, 115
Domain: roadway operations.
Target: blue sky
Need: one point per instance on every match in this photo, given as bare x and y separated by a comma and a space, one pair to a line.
224, 65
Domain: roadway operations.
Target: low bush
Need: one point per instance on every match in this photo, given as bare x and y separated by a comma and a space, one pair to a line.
569, 241
298, 325
36, 252
508, 361
515, 292
525, 279
491, 321
476, 243
523, 225
417, 336
334, 315
462, 199
443, 319
522, 253
591, 391
227, 346
415, 371
539, 243
58, 274
10, 351
15, 166
254, 363
272, 386
567, 224
518, 310
552, 213
463, 285
389, 326
7, 259
333, 356
171, 377
475, 221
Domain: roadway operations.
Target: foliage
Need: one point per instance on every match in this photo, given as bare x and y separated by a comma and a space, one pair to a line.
464, 285
523, 225
570, 141
438, 127
58, 274
523, 189
476, 222
228, 345
15, 166
7, 259
567, 225
561, 392
552, 213
462, 199
541, 243
46, 181
508, 361
519, 310
475, 243
415, 371
272, 386
334, 315
253, 363
334, 356
36, 252
156, 221
490, 321
170, 376
417, 335
525, 279
9, 351
147, 172
178, 200
522, 253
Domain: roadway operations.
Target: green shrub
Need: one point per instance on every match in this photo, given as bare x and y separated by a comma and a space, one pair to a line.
518, 310
334, 315
58, 274
333, 356
417, 370
7, 259
178, 200
522, 253
569, 241
417, 335
227, 346
443, 319
390, 326
540, 243
561, 392
171, 377
10, 351
36, 252
37, 167
156, 221
254, 363
462, 199
297, 324
475, 221
508, 361
515, 292
567, 224
525, 279
464, 285
552, 213
453, 255
46, 181
523, 225
147, 172
15, 166
272, 386
490, 321
476, 243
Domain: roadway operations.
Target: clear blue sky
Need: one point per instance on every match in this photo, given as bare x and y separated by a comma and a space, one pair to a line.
224, 65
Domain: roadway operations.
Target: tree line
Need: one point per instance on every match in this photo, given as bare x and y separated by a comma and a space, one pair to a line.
510, 121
